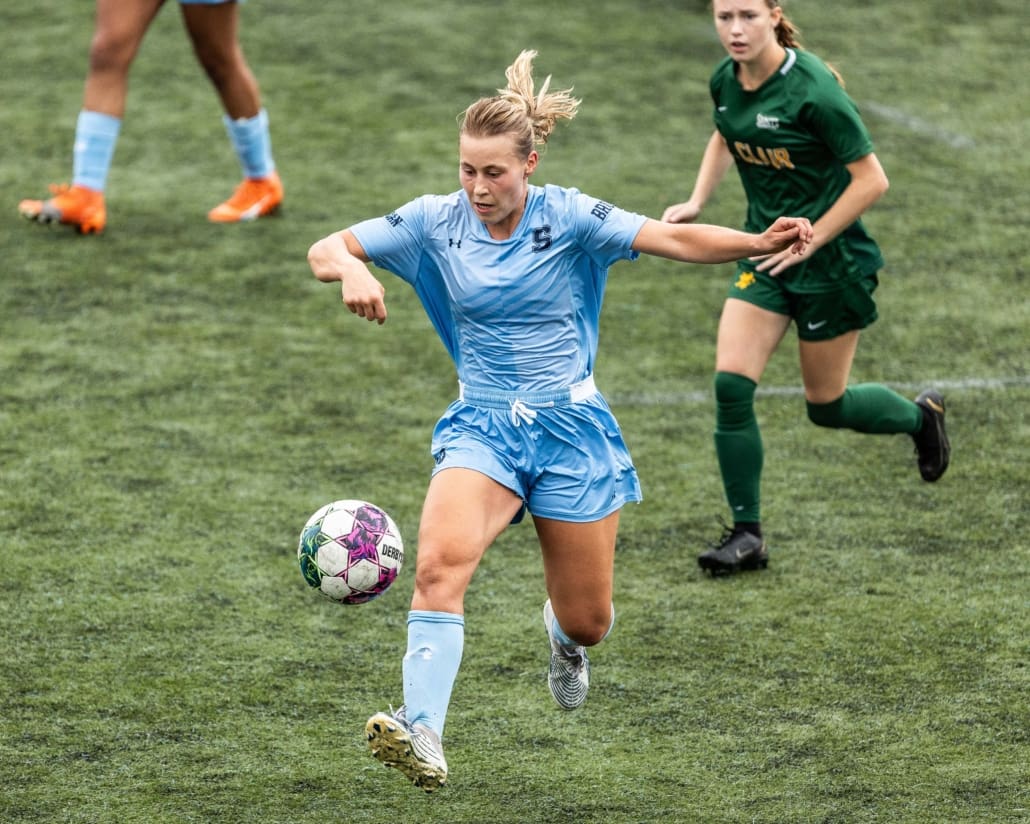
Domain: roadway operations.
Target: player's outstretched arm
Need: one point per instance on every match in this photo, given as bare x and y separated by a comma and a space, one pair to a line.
704, 243
340, 257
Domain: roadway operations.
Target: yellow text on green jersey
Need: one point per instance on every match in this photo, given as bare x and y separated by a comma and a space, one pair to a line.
778, 158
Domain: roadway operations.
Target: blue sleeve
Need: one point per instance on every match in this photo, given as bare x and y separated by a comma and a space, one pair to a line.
395, 242
606, 231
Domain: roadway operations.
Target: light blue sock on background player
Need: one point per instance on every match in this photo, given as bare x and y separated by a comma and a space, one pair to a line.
253, 144
95, 137
435, 644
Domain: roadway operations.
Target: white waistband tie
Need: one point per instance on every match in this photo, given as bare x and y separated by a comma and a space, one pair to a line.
521, 412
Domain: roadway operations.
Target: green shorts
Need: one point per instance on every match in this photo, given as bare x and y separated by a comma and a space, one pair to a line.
818, 316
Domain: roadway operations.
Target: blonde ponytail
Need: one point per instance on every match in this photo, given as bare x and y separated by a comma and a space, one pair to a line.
529, 116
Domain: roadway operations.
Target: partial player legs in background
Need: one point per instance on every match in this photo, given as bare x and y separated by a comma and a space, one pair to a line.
82, 204
214, 33
73, 205
253, 198
737, 550
741, 455
261, 191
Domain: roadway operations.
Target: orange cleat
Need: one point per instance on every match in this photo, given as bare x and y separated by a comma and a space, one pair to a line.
253, 198
73, 205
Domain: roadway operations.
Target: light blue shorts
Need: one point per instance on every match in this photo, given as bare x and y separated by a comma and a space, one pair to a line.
565, 459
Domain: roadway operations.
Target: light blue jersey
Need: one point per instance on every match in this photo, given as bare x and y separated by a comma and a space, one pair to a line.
516, 314
520, 319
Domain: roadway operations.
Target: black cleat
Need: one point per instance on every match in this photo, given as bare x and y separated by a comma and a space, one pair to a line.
737, 550
932, 445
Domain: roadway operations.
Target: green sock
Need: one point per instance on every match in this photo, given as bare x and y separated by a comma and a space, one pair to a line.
870, 408
738, 445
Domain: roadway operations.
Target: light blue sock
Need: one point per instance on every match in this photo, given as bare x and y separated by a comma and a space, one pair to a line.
435, 644
253, 143
95, 137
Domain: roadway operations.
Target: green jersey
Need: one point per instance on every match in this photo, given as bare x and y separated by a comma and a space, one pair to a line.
791, 140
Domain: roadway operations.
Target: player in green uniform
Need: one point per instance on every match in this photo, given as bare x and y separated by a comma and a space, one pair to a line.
800, 147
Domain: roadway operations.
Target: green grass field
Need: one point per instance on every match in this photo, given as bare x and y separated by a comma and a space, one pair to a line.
177, 397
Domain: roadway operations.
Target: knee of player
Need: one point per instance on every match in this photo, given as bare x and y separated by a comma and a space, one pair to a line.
439, 579
111, 51
224, 67
432, 576
589, 628
825, 414
591, 637
216, 67
731, 387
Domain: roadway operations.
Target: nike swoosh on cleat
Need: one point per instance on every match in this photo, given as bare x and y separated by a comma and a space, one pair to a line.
255, 210
936, 407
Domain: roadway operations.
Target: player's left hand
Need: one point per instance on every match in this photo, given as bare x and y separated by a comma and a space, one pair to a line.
778, 262
792, 239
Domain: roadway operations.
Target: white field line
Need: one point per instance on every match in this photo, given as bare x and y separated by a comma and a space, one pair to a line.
702, 396
918, 125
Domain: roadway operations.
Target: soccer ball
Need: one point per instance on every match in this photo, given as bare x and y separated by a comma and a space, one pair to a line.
350, 551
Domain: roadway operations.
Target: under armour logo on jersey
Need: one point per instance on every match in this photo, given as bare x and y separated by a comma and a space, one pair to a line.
455, 243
